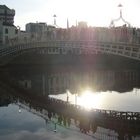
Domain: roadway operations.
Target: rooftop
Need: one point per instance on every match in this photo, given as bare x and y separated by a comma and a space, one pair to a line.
4, 7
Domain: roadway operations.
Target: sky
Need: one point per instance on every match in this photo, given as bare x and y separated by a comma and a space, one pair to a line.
94, 12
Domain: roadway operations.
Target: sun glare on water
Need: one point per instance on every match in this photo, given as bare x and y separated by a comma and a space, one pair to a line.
90, 100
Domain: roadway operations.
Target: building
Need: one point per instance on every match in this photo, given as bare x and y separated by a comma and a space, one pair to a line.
82, 24
6, 15
36, 30
23, 37
36, 27
8, 32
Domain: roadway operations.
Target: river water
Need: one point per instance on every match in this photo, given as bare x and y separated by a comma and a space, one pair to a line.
109, 100
21, 118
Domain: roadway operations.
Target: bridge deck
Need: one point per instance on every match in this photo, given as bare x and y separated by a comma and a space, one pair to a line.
73, 47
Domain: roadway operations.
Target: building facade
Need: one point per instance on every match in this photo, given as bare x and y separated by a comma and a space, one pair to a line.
36, 27
36, 30
8, 32
6, 15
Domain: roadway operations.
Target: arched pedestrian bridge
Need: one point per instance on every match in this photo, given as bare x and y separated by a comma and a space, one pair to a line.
61, 47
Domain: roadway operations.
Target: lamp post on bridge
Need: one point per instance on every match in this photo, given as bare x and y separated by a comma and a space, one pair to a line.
54, 16
112, 24
67, 95
75, 98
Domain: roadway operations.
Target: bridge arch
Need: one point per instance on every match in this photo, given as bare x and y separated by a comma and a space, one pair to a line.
131, 51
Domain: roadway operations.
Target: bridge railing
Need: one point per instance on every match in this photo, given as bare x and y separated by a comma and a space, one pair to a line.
122, 49
69, 41
121, 115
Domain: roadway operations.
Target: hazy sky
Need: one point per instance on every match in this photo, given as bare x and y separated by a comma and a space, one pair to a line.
95, 12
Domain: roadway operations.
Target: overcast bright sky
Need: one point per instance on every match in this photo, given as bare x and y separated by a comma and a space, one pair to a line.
95, 12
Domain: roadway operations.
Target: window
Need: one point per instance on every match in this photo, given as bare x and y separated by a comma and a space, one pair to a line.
127, 48
114, 46
6, 39
135, 49
6, 31
120, 47
16, 31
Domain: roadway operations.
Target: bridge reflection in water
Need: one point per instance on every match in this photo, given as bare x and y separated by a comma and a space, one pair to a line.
119, 125
21, 91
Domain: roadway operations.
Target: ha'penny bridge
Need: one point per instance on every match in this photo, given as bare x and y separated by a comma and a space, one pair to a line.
64, 48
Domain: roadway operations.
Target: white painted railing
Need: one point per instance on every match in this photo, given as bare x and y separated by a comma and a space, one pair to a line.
86, 47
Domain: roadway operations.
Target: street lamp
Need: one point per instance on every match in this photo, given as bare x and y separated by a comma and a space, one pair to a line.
54, 16
75, 99
19, 110
67, 96
55, 130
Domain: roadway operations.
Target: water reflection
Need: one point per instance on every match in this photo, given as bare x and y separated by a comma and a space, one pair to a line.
110, 100
56, 80
100, 125
87, 99
29, 91
90, 99
29, 126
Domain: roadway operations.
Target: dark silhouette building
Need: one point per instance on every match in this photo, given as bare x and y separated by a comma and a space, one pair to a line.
6, 15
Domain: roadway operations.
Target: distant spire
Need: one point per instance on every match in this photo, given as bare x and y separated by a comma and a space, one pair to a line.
67, 23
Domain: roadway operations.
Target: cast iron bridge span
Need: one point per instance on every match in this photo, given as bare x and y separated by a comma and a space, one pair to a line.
61, 47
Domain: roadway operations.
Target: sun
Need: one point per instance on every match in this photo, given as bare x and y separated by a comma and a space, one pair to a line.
90, 99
